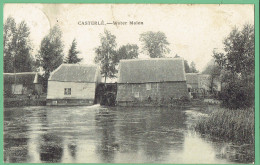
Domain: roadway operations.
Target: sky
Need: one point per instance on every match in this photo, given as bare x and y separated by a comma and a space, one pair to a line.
193, 31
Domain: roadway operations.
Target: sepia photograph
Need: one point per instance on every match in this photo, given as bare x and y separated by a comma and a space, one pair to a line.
129, 83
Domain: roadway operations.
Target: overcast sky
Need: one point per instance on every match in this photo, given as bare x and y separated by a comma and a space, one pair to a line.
193, 31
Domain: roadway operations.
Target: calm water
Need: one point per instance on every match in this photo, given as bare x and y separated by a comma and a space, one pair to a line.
108, 135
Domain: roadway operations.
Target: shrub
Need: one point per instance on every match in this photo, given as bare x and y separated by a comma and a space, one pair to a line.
237, 94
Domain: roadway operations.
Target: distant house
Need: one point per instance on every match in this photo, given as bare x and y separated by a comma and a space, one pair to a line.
73, 84
201, 83
192, 80
196, 80
22, 83
150, 80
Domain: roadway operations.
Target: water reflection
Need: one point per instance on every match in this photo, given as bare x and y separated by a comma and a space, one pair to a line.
105, 122
154, 132
108, 135
51, 148
16, 149
15, 138
73, 149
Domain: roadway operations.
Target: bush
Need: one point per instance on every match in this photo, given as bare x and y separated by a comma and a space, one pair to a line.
237, 95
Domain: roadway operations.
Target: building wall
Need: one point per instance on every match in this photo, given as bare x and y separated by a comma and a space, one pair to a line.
204, 82
22, 89
193, 85
78, 90
141, 92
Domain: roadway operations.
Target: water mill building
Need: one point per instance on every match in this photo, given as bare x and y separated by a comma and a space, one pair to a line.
142, 80
73, 84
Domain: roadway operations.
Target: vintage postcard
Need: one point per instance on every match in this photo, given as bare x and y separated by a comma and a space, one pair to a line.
130, 83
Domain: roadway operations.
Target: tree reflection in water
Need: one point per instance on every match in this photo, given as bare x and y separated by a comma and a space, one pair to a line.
105, 121
51, 148
15, 138
109, 135
147, 130
16, 149
73, 150
151, 130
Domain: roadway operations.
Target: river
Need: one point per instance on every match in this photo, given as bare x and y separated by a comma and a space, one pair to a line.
98, 134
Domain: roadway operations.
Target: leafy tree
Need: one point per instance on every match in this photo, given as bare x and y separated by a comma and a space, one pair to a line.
9, 32
50, 55
193, 68
72, 57
129, 51
155, 44
214, 71
237, 64
23, 59
105, 55
17, 47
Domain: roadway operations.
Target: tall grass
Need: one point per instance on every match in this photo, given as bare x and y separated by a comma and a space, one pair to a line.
231, 125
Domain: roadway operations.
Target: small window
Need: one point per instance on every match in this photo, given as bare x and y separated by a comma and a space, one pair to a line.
136, 94
55, 102
67, 91
148, 86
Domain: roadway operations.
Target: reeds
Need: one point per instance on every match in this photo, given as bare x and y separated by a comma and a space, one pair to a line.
232, 125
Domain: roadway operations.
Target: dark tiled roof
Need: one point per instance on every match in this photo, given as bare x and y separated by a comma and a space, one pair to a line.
151, 70
75, 73
25, 78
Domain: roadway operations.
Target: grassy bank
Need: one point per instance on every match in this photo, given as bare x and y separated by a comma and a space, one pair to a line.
231, 125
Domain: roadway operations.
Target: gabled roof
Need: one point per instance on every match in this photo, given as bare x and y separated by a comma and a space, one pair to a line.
75, 73
151, 70
192, 78
25, 78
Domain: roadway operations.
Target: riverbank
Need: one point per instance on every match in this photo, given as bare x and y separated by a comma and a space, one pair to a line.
236, 126
41, 101
18, 102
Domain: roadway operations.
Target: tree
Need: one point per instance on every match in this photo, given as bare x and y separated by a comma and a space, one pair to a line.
17, 47
23, 59
129, 51
237, 64
105, 55
50, 55
72, 57
186, 66
9, 32
214, 71
155, 44
193, 68
176, 56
